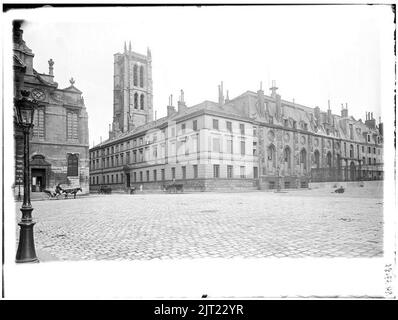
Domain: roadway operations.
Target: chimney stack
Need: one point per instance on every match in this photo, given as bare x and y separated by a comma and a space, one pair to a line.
261, 103
370, 122
170, 108
344, 111
221, 94
273, 89
181, 103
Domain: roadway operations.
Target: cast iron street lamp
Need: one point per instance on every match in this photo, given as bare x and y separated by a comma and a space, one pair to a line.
24, 110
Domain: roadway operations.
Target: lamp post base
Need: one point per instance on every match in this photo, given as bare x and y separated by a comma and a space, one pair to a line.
26, 247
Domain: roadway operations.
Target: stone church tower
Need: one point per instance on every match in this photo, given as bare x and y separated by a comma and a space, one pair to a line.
132, 91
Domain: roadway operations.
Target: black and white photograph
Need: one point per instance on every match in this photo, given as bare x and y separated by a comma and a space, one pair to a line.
224, 151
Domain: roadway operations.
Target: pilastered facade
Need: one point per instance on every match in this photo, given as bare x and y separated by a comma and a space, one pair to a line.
59, 149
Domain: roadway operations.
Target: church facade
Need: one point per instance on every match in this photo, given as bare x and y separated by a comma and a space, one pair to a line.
253, 141
59, 147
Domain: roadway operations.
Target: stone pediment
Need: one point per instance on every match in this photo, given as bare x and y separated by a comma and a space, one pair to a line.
72, 88
38, 161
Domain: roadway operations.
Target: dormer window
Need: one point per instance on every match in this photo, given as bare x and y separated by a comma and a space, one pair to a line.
286, 122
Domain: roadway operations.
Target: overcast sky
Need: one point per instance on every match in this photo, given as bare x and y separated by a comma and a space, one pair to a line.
314, 53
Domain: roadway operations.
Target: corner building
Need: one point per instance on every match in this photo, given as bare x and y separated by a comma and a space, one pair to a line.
59, 148
254, 141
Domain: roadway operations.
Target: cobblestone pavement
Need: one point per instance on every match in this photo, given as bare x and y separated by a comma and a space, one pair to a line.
298, 223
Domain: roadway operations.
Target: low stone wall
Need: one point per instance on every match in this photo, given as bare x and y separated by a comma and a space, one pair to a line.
190, 185
345, 184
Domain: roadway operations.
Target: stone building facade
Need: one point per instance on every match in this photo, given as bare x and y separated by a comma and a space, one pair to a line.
254, 141
59, 147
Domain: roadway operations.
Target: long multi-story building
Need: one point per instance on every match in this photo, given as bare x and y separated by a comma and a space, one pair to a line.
254, 141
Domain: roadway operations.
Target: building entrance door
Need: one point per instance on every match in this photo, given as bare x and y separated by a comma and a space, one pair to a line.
128, 180
38, 180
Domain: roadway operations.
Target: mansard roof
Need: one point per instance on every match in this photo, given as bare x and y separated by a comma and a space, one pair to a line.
245, 106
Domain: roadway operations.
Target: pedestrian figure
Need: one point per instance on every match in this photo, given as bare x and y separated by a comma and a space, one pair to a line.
141, 187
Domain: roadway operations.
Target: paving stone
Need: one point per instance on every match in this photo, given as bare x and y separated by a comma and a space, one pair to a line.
303, 223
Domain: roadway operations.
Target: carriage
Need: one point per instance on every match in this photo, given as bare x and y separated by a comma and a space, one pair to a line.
174, 186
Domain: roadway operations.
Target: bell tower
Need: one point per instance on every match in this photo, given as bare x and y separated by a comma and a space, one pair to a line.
132, 90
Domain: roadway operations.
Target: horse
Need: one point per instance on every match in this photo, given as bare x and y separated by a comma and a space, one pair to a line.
71, 191
175, 186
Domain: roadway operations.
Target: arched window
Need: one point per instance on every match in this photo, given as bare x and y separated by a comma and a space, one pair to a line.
338, 159
135, 75
136, 100
303, 158
329, 159
287, 157
272, 155
142, 102
141, 76
316, 155
351, 151
73, 165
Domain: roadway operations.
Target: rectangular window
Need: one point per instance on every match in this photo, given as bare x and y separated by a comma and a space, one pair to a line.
229, 147
141, 155
242, 148
294, 124
216, 171
351, 132
112, 178
128, 157
374, 150
39, 124
183, 128
71, 125
230, 172
215, 124
155, 175
135, 177
155, 152
242, 128
147, 175
242, 172
121, 177
255, 172
216, 145
229, 126
163, 175
195, 171
141, 178
271, 120
134, 156
173, 132
184, 172
368, 149
173, 173
117, 178
254, 131
363, 149
254, 148
107, 179
195, 125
